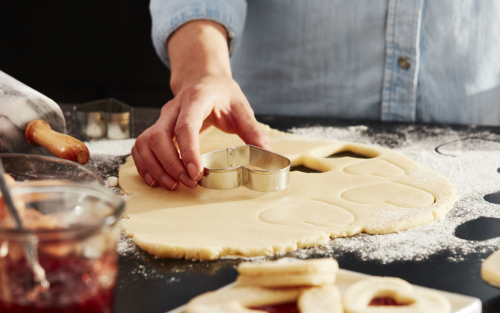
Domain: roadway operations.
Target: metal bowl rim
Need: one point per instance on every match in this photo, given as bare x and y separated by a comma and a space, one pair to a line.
54, 160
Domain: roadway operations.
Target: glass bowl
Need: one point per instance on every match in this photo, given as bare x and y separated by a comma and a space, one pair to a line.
23, 167
70, 233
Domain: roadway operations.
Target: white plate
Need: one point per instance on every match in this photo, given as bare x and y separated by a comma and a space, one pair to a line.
459, 303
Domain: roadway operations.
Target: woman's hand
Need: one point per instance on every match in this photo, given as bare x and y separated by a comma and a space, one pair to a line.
205, 95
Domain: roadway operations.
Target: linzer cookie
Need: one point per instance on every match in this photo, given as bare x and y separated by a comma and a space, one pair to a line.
241, 299
288, 273
378, 293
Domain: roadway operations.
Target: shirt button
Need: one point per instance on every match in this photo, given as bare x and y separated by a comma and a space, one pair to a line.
404, 63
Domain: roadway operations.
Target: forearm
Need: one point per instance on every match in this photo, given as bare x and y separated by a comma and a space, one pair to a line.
197, 49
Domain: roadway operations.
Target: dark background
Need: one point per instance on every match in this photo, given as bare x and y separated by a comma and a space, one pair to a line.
78, 51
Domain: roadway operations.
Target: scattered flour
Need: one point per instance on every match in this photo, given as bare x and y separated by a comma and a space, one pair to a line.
110, 147
126, 245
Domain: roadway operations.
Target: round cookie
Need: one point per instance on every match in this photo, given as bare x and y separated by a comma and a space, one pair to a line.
376, 294
288, 272
325, 299
490, 270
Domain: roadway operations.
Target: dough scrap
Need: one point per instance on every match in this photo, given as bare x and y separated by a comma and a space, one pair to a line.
358, 296
490, 269
350, 196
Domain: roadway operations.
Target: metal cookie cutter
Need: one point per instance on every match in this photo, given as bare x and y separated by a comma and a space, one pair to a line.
250, 166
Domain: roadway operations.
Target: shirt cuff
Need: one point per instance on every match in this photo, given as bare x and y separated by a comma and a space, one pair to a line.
168, 15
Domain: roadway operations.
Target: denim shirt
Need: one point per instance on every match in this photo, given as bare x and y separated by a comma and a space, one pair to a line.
388, 60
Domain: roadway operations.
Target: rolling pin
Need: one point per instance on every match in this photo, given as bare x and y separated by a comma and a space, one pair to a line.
19, 106
39, 133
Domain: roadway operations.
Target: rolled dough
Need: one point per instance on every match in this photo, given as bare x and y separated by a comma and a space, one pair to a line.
382, 194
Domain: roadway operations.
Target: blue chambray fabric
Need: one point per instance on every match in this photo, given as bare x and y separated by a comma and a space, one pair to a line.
337, 58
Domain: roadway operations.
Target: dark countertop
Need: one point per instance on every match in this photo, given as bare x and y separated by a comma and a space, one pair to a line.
149, 284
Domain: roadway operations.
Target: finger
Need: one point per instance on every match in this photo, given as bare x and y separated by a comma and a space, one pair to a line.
141, 169
153, 166
162, 145
187, 133
249, 130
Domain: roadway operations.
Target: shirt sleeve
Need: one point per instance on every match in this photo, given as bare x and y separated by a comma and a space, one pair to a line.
168, 15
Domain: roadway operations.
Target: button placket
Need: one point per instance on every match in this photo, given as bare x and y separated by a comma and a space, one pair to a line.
402, 60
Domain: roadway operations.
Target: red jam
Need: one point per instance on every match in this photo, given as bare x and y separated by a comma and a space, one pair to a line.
385, 301
76, 285
278, 308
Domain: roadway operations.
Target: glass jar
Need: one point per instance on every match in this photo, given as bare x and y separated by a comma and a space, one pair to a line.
71, 231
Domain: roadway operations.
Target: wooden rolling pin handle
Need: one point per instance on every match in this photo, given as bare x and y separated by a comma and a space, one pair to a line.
39, 133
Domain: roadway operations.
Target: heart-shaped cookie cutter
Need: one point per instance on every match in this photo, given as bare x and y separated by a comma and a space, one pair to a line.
249, 166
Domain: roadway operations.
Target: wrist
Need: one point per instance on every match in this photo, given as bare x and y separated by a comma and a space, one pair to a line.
198, 50
178, 84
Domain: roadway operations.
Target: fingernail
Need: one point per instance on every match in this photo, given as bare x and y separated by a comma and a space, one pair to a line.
175, 186
193, 171
186, 180
150, 180
169, 182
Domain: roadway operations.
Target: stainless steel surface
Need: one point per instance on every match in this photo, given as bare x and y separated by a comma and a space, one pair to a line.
249, 166
24, 167
104, 119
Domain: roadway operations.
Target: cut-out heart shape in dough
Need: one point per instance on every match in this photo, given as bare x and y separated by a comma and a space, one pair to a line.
493, 197
375, 167
303, 169
393, 193
482, 228
309, 212
206, 224
348, 154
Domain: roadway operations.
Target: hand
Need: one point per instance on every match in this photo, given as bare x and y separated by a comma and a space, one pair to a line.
205, 95
217, 101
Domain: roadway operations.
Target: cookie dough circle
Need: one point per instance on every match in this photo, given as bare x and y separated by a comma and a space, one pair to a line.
384, 193
358, 296
490, 270
325, 299
288, 272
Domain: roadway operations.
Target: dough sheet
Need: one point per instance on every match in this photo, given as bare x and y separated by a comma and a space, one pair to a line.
384, 193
